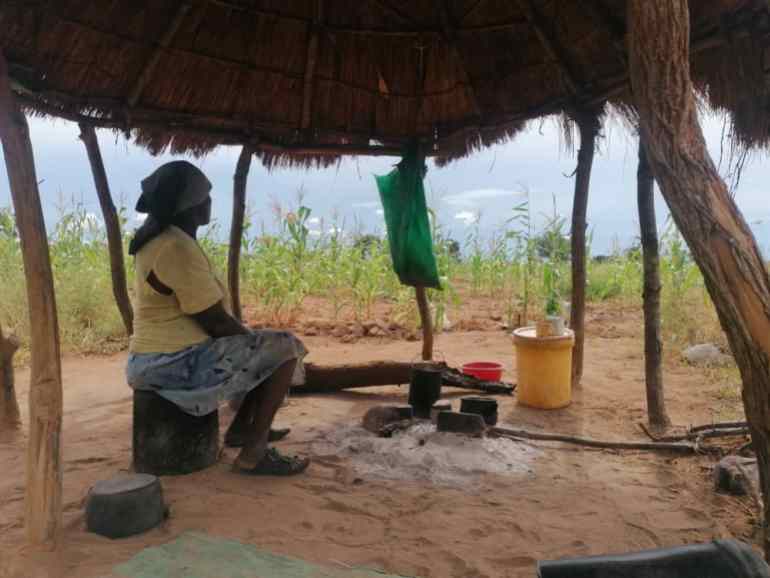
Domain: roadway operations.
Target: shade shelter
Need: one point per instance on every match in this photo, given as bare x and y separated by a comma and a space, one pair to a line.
303, 82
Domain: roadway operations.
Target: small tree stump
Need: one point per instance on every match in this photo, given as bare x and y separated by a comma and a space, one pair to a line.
437, 408
484, 406
168, 441
457, 422
125, 505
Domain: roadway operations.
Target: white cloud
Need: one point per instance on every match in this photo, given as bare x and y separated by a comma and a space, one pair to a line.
467, 217
140, 217
313, 221
472, 197
380, 212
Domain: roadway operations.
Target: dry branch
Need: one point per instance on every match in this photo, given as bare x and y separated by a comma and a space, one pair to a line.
719, 425
699, 433
593, 443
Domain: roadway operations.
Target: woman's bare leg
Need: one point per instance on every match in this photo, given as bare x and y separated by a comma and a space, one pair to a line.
267, 399
244, 415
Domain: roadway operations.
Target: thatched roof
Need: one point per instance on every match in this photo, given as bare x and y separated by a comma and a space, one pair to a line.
305, 80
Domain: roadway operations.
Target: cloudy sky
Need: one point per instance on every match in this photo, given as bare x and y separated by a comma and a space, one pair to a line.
479, 191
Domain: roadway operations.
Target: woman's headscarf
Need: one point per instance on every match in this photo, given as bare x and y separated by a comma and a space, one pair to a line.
172, 189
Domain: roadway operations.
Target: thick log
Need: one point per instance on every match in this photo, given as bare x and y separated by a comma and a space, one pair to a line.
111, 224
44, 472
426, 322
330, 379
588, 126
653, 348
236, 229
720, 240
9, 406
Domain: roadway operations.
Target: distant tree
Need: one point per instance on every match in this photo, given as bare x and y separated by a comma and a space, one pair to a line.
552, 244
453, 248
367, 244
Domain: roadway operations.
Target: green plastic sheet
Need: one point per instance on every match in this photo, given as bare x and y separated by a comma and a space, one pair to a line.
406, 218
195, 555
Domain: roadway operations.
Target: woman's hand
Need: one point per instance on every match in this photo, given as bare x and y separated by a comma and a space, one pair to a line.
218, 323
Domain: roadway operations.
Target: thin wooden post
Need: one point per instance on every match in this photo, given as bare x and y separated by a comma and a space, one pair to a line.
426, 321
111, 224
236, 228
9, 406
588, 126
653, 350
721, 242
44, 473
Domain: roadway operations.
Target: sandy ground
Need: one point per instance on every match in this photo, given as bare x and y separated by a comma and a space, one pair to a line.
567, 502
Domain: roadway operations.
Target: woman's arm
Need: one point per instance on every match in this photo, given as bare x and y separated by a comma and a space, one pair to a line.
215, 320
218, 323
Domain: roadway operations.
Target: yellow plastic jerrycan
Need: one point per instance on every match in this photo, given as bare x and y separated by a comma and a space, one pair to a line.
544, 366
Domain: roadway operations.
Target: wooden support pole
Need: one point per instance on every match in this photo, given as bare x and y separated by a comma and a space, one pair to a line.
718, 236
9, 406
653, 349
236, 229
449, 28
152, 62
311, 57
44, 473
111, 224
551, 44
427, 323
588, 126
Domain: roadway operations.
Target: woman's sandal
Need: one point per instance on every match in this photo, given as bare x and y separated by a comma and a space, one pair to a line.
238, 440
274, 463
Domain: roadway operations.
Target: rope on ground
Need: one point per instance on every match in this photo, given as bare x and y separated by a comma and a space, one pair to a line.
689, 448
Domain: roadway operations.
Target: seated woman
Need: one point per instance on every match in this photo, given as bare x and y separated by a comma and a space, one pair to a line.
186, 346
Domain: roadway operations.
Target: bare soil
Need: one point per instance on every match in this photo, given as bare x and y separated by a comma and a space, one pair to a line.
568, 502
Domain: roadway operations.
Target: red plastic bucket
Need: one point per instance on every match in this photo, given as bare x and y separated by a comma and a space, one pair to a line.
485, 370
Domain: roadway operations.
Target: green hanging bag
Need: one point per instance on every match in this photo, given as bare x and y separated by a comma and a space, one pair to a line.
406, 218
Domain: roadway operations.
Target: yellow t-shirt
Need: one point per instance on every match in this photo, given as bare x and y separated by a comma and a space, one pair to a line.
162, 323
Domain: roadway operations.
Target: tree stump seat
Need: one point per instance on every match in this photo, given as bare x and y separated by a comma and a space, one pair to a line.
168, 441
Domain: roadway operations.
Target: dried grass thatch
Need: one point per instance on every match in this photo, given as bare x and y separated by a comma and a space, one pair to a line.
307, 80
